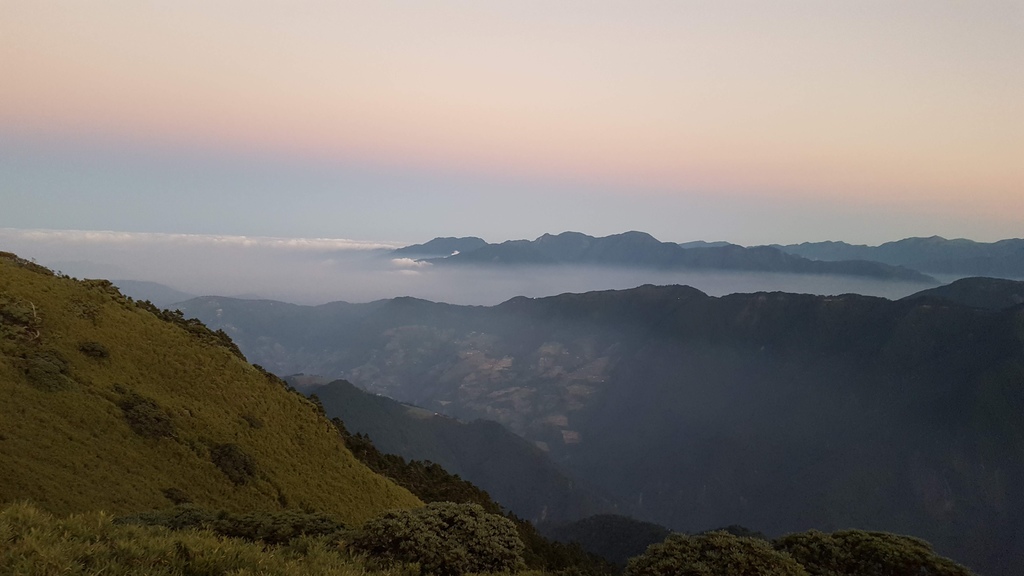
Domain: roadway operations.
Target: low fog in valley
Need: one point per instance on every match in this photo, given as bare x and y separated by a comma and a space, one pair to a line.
315, 271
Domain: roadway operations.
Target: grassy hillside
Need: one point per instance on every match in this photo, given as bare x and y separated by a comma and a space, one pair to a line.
34, 542
110, 404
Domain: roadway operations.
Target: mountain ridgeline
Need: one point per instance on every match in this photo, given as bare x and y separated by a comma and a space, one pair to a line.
641, 250
935, 255
780, 412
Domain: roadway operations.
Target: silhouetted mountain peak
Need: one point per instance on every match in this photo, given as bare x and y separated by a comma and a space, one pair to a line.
935, 254
640, 249
978, 292
441, 246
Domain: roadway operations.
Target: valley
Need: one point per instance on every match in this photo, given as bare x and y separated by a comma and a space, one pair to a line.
780, 412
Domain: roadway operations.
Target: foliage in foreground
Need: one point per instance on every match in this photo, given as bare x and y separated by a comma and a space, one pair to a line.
432, 483
34, 542
861, 553
444, 538
280, 527
713, 554
844, 553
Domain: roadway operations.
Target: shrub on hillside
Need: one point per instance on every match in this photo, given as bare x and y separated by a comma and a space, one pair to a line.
238, 466
93, 349
145, 417
444, 538
177, 495
861, 553
48, 370
279, 527
34, 542
713, 554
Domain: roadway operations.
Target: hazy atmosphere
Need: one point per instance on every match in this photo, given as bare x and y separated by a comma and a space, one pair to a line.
538, 287
315, 271
400, 121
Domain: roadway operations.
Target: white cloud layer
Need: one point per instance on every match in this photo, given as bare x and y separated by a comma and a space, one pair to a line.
151, 238
317, 270
409, 263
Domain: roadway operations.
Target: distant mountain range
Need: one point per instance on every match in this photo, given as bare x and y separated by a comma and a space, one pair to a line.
639, 249
935, 255
780, 412
159, 294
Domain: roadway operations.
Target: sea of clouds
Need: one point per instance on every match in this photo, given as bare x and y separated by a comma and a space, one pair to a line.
318, 270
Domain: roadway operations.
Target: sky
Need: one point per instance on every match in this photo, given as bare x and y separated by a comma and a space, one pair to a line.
395, 122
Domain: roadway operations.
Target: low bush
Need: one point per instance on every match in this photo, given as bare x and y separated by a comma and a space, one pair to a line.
145, 417
34, 542
47, 370
444, 538
862, 553
238, 466
94, 350
713, 554
278, 527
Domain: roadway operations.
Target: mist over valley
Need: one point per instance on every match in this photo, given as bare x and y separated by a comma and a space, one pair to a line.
316, 271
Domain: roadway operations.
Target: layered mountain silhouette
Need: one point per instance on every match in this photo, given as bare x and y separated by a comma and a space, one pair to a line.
991, 293
159, 294
780, 412
935, 255
441, 247
639, 249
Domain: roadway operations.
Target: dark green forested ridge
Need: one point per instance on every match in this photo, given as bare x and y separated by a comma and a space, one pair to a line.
516, 473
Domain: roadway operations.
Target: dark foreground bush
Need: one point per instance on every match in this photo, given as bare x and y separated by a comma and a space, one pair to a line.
47, 370
238, 466
94, 350
713, 554
860, 553
269, 527
444, 538
34, 542
146, 418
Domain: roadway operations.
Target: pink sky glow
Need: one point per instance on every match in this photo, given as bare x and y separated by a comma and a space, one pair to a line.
908, 105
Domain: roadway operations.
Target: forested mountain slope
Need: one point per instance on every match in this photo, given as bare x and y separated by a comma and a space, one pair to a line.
780, 412
512, 470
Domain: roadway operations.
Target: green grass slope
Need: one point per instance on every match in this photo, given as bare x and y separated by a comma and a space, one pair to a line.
110, 404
